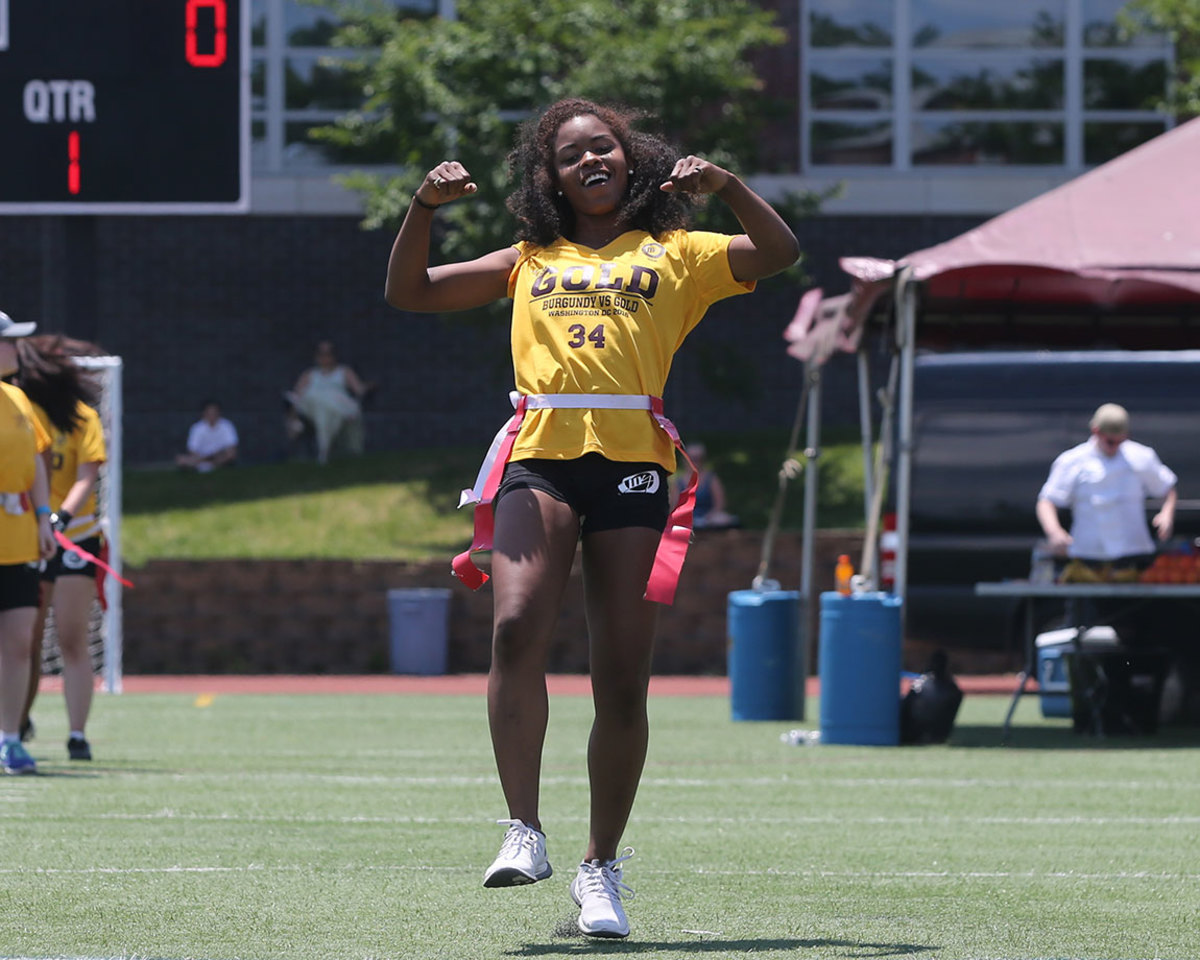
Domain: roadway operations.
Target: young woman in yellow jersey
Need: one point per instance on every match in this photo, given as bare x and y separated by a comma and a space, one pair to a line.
62, 397
25, 540
606, 282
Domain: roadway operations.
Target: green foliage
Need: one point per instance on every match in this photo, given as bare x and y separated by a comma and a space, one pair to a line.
456, 89
1180, 19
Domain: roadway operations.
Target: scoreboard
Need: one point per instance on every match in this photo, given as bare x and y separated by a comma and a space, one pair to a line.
124, 106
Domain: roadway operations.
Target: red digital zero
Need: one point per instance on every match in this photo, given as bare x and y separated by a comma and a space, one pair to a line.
220, 35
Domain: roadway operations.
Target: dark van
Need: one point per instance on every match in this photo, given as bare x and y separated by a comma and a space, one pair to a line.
986, 428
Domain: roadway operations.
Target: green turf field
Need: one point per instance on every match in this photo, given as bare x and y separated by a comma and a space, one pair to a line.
345, 828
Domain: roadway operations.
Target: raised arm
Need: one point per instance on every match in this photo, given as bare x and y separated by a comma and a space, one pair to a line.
768, 245
414, 285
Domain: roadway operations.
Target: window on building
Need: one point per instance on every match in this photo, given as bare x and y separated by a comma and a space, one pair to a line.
904, 84
295, 85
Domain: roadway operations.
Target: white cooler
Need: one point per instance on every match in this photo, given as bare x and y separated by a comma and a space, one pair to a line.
1054, 688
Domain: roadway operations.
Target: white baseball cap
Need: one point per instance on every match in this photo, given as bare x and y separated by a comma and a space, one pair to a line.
1111, 419
10, 328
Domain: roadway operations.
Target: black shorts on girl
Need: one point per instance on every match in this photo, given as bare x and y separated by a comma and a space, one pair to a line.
606, 494
64, 563
18, 585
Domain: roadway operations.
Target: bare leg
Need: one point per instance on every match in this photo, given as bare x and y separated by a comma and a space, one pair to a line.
621, 624
16, 637
46, 593
72, 604
535, 542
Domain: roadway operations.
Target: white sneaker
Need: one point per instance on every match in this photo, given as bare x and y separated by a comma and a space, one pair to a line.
522, 857
598, 890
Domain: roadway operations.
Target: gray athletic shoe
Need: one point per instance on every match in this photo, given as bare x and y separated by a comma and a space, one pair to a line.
598, 891
522, 857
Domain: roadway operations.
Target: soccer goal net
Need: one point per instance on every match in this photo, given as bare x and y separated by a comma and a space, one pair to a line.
105, 631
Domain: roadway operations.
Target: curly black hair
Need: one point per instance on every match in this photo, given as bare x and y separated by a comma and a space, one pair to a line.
52, 381
543, 216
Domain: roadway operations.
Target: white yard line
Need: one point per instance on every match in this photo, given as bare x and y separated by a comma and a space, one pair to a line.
703, 783
800, 819
885, 875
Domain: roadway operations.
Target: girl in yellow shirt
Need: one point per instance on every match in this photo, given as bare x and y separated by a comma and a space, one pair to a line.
25, 540
606, 282
62, 397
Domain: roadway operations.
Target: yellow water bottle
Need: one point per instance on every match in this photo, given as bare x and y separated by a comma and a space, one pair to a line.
842, 574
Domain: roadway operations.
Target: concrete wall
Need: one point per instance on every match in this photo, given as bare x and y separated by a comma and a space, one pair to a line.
315, 616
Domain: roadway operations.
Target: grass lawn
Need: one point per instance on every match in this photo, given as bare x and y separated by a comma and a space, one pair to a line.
403, 505
326, 827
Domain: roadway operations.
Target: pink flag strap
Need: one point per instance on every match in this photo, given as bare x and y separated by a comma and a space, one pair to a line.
90, 558
676, 538
482, 494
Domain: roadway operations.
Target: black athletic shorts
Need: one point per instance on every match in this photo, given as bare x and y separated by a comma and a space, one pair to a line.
65, 563
606, 494
18, 585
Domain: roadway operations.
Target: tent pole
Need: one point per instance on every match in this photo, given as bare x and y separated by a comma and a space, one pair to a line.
906, 324
812, 453
869, 561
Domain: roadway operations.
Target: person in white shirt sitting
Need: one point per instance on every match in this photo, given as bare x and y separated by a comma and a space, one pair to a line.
212, 441
1105, 481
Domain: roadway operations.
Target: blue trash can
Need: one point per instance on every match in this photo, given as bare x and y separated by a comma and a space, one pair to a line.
766, 668
419, 622
859, 667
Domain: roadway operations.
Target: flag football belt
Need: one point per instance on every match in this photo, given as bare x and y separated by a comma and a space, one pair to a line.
18, 504
672, 548
72, 547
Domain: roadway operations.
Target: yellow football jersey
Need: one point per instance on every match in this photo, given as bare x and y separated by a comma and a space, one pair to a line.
84, 444
609, 321
21, 439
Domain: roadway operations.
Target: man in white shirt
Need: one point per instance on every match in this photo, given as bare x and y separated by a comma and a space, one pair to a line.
212, 441
1105, 482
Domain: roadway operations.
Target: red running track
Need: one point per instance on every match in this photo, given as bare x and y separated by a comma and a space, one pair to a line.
469, 684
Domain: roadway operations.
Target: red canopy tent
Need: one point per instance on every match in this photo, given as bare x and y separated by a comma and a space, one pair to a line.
1122, 237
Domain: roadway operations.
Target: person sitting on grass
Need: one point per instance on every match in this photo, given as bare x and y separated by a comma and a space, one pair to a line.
212, 441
